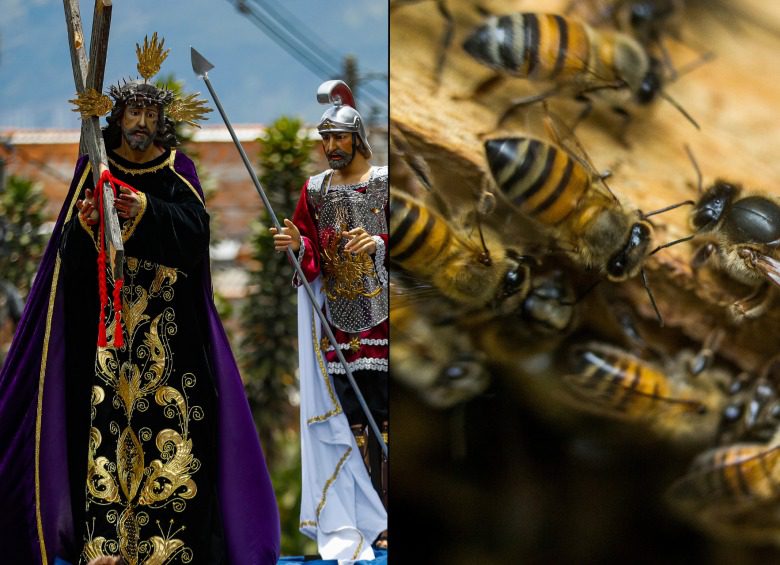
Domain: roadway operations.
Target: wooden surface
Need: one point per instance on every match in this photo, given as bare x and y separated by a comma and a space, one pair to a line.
734, 97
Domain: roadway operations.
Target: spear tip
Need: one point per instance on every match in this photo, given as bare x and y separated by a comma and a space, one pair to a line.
199, 63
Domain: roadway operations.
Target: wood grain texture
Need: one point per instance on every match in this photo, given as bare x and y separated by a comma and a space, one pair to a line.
734, 97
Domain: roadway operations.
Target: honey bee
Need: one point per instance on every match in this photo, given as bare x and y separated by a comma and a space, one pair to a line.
557, 190
743, 234
733, 489
673, 400
574, 57
733, 492
435, 359
547, 314
471, 267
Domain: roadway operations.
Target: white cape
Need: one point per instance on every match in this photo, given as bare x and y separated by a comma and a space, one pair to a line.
339, 508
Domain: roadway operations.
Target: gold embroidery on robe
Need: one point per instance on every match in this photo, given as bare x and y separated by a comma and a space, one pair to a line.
137, 478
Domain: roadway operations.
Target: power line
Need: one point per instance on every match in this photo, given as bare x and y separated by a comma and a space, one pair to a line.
315, 54
313, 42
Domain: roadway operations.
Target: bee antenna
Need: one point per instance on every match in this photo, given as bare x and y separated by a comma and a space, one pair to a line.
484, 258
670, 207
696, 167
705, 57
669, 244
652, 298
680, 109
446, 42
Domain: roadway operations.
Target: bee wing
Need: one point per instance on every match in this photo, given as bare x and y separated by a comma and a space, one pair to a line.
410, 292
729, 479
768, 266
550, 125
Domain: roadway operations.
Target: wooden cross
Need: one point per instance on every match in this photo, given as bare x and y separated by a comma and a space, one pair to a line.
89, 74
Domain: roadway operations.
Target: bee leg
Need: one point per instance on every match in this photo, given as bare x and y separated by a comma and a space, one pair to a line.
518, 103
667, 60
702, 255
622, 132
587, 108
626, 320
705, 356
753, 305
483, 88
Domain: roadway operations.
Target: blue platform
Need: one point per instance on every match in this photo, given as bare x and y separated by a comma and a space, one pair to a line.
380, 559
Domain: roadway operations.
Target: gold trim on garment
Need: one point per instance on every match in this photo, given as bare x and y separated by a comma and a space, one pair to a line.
42, 377
134, 172
93, 236
327, 486
324, 372
87, 228
192, 188
328, 483
129, 228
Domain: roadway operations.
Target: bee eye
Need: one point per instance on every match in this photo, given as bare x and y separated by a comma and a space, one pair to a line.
651, 84
453, 372
641, 14
617, 266
514, 280
703, 217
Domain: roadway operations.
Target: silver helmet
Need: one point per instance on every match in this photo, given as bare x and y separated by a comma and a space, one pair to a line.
341, 116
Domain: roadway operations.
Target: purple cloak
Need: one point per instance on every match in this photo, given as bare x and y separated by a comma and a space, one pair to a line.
35, 510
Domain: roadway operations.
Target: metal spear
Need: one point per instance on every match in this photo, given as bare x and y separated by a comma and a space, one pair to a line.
201, 67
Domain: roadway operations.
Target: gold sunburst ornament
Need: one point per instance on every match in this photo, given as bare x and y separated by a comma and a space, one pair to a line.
188, 109
91, 103
150, 56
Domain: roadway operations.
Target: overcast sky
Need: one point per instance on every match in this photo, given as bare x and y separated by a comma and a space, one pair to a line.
255, 78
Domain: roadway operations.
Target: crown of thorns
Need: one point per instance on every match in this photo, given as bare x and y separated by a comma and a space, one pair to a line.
186, 108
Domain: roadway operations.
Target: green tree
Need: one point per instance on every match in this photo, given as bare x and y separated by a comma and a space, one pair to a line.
269, 319
22, 241
22, 212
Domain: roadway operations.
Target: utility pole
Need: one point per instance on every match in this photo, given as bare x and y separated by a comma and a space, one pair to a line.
351, 75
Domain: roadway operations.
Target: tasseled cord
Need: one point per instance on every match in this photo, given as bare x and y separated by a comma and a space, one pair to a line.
107, 177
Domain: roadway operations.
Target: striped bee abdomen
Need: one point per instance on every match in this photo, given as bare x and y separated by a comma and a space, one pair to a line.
530, 45
418, 236
618, 380
742, 471
542, 181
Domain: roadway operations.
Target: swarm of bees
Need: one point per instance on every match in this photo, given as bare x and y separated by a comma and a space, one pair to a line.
515, 261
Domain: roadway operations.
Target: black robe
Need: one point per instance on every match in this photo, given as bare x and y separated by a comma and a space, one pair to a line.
142, 417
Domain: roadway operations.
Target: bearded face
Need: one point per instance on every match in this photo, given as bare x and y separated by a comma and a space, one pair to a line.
339, 149
139, 126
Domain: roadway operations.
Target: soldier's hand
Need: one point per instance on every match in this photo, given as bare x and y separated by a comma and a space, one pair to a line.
359, 240
87, 209
290, 237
